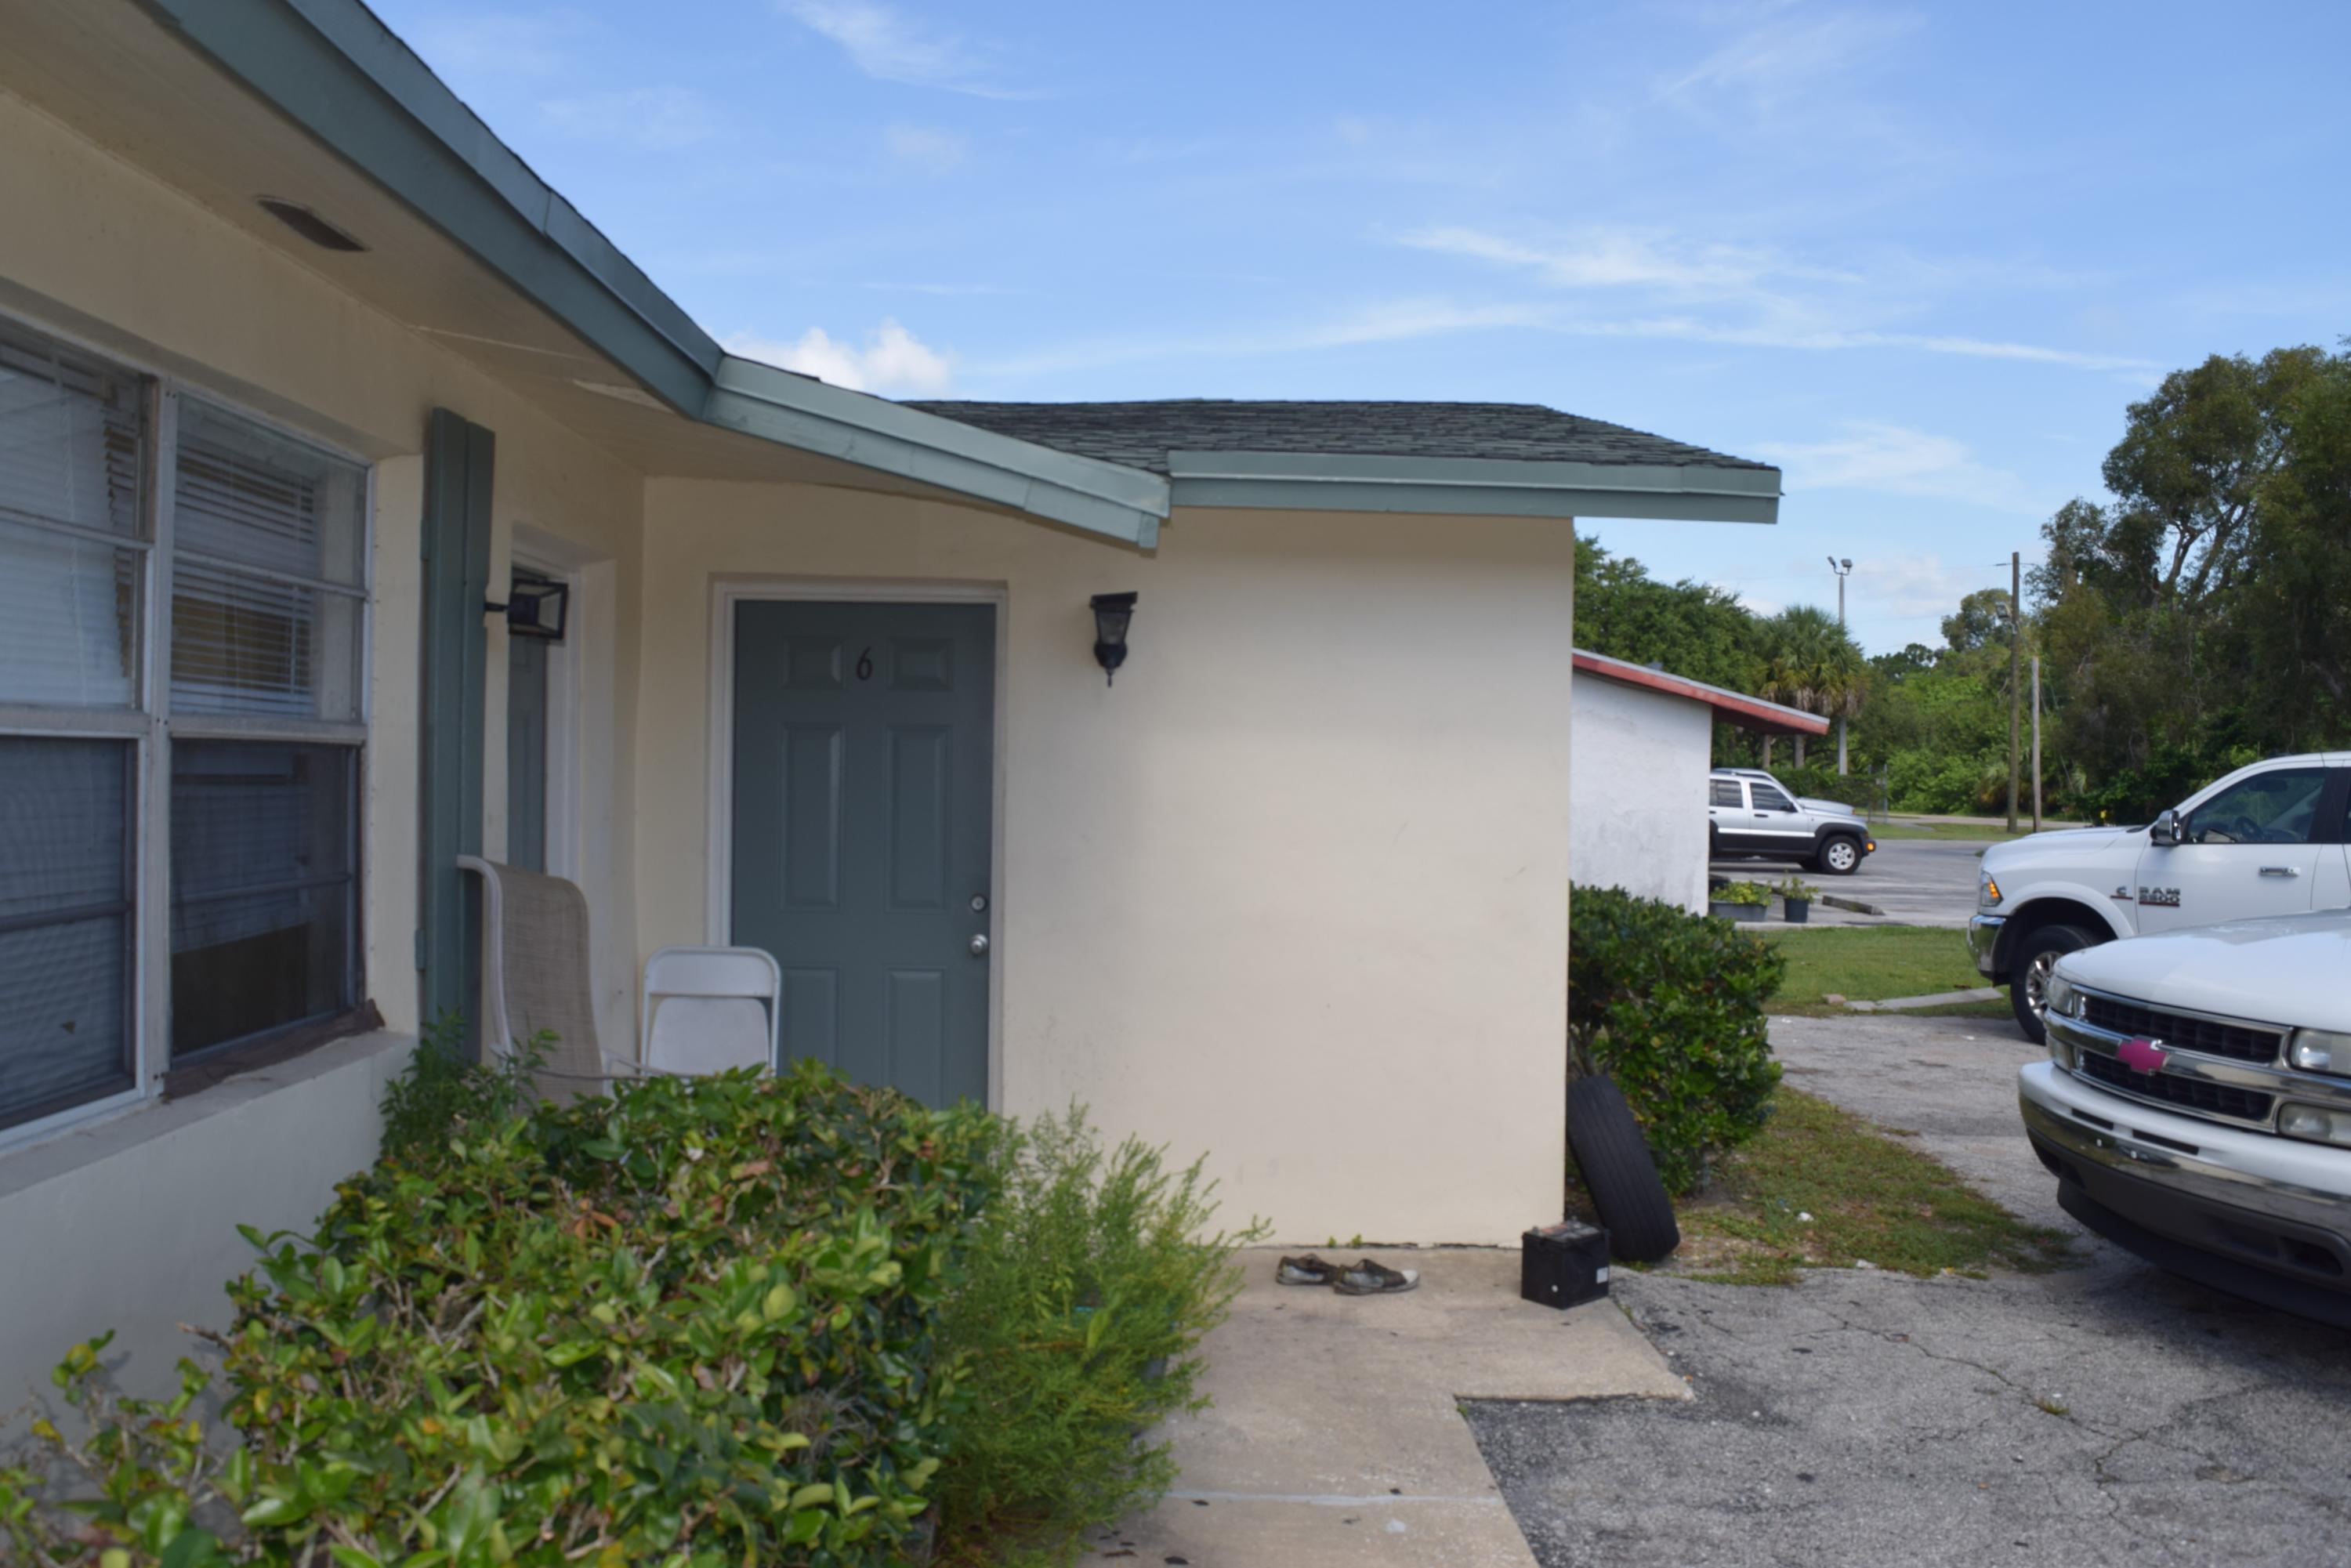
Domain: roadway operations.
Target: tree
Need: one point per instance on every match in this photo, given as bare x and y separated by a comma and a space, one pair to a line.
1811, 662
1686, 627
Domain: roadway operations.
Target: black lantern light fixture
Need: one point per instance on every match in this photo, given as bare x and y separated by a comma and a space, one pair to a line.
535, 607
1112, 613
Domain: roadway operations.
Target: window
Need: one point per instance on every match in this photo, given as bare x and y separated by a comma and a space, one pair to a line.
1726, 793
2277, 808
1768, 799
135, 516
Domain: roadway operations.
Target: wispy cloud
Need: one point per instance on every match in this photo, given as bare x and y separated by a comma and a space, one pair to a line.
1380, 321
893, 362
927, 147
656, 117
1894, 460
1785, 53
886, 44
1747, 295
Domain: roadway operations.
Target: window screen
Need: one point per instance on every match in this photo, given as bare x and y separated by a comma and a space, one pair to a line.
66, 929
1725, 792
262, 877
266, 578
69, 466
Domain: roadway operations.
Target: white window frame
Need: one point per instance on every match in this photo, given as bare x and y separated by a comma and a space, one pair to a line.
150, 725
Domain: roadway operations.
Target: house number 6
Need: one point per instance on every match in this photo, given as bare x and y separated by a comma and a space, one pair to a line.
865, 665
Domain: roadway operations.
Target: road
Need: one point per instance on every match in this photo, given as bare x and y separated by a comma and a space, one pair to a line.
2106, 1414
1917, 881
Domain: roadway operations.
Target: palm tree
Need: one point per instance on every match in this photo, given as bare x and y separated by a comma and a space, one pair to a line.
1810, 662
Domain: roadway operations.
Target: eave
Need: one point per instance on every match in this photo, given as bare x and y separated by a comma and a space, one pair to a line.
1485, 487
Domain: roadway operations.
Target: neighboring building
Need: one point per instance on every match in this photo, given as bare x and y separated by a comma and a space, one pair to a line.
1642, 745
1293, 892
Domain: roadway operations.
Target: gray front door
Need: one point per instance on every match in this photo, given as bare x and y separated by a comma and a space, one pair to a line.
865, 761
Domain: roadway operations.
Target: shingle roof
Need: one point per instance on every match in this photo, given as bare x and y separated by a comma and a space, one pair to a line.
1141, 434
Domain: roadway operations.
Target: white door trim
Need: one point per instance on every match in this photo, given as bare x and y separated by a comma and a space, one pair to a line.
728, 589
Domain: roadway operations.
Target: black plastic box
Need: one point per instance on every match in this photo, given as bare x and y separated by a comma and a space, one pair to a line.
1563, 1265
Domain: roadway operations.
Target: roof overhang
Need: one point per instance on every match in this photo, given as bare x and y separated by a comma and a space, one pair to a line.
336, 73
1729, 707
1484, 487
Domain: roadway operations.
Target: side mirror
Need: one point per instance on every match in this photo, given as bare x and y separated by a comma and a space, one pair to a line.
2165, 831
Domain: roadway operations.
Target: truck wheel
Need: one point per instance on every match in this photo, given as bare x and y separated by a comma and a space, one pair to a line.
1618, 1173
2028, 971
1839, 855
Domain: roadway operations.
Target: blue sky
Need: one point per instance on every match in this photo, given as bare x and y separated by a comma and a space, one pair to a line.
1921, 257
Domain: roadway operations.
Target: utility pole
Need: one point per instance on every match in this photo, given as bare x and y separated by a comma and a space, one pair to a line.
2015, 671
2036, 742
1843, 569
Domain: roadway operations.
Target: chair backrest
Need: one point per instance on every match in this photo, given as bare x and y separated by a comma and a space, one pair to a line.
535, 976
705, 1009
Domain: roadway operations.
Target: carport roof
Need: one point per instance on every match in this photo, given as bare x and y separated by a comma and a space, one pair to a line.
1730, 706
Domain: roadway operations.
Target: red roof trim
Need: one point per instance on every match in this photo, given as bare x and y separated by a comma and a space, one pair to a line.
1731, 707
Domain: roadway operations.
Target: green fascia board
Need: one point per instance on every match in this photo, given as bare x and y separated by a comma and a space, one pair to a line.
1084, 493
1474, 486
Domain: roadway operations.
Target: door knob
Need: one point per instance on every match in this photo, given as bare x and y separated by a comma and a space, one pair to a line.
978, 946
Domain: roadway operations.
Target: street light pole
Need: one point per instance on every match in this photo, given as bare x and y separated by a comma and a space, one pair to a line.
1843, 569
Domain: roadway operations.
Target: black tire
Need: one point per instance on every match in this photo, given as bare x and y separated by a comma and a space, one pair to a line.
1618, 1173
2028, 972
1834, 848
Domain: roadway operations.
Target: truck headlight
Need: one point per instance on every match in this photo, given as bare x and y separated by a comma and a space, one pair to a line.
2063, 1000
2320, 1051
1988, 891
2318, 1123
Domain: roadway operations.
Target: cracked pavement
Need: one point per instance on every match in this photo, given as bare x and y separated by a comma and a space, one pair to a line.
2106, 1413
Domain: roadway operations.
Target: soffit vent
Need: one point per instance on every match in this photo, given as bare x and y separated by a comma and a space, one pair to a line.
309, 225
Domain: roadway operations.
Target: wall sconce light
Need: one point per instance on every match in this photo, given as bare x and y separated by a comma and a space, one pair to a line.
1112, 613
535, 607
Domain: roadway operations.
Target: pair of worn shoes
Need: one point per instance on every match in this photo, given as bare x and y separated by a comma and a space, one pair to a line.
1362, 1278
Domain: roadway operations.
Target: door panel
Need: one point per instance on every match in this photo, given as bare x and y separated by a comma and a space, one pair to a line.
2248, 852
864, 738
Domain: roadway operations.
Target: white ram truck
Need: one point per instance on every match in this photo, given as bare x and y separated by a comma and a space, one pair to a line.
2270, 839
2196, 1104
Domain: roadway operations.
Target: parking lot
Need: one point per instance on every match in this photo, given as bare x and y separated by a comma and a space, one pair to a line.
2103, 1413
1917, 881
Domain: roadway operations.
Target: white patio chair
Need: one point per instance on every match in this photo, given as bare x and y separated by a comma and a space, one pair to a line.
534, 977
706, 1010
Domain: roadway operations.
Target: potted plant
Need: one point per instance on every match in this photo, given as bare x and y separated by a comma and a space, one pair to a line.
1796, 896
1739, 900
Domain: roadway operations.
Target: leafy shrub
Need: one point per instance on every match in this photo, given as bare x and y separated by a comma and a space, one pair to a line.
444, 1091
1741, 893
1670, 1004
1822, 781
695, 1323
1088, 1290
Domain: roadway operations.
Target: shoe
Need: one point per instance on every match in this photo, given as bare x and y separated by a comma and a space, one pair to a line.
1307, 1270
1366, 1278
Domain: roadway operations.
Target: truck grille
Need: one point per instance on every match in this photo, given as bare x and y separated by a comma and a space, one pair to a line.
2188, 1093
2210, 1037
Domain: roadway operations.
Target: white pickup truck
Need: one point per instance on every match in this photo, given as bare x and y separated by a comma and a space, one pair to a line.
2270, 839
2196, 1104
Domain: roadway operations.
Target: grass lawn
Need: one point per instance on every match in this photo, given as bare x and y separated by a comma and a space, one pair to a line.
1949, 833
1869, 1197
1871, 962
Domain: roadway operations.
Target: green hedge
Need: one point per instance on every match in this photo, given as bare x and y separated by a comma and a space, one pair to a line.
1670, 1004
692, 1324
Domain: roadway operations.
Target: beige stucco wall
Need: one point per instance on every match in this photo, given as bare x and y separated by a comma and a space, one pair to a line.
1637, 791
131, 1223
1293, 894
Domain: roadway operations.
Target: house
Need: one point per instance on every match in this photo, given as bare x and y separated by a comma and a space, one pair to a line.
1641, 745
312, 394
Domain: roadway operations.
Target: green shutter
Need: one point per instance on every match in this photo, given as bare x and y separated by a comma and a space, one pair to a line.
458, 461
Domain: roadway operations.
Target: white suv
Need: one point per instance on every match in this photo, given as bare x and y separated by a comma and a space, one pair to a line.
2270, 839
2196, 1104
1749, 817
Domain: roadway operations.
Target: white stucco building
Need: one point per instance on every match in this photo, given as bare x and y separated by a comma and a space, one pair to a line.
305, 377
1642, 744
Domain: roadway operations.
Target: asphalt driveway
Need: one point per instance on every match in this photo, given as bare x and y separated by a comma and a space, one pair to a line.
1917, 881
2106, 1413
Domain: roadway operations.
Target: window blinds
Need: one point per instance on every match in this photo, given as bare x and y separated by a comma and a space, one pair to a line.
69, 477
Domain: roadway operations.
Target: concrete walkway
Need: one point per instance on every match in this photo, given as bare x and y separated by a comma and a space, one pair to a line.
1337, 1435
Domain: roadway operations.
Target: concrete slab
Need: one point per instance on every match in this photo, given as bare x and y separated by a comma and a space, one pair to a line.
1935, 999
1337, 1436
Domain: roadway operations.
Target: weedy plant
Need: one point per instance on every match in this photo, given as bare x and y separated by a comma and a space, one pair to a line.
1084, 1297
